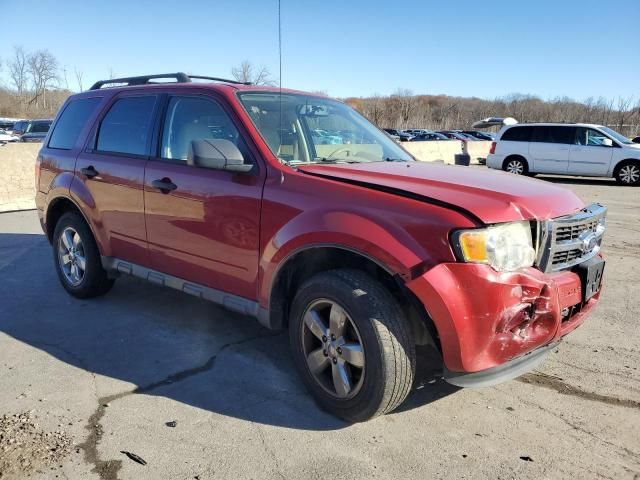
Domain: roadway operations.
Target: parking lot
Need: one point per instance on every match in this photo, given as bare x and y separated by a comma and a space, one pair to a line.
111, 374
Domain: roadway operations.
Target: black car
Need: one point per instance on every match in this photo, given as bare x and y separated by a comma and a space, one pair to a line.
403, 136
35, 130
425, 137
479, 135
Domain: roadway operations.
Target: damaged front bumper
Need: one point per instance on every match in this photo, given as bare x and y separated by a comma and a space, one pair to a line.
488, 320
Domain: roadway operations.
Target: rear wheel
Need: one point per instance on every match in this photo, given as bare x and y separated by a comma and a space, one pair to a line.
516, 165
351, 344
77, 259
628, 173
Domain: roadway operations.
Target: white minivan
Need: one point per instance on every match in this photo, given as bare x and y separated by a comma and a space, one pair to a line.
568, 149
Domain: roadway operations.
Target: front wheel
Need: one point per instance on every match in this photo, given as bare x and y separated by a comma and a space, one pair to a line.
351, 344
628, 173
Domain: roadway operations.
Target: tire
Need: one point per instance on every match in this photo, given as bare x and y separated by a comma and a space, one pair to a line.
72, 230
515, 165
628, 173
374, 320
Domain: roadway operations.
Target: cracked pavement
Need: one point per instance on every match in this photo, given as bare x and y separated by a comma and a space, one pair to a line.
112, 371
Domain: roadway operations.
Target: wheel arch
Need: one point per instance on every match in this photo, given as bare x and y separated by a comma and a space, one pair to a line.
306, 262
57, 207
621, 162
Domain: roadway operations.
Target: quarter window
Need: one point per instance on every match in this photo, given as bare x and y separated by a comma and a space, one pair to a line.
196, 118
126, 128
73, 118
517, 134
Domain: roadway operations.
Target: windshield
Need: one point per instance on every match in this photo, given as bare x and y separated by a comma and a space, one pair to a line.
616, 136
317, 130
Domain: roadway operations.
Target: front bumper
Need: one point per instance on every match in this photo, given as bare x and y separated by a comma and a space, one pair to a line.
485, 318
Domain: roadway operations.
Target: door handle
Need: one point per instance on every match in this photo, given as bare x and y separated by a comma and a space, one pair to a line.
89, 172
165, 185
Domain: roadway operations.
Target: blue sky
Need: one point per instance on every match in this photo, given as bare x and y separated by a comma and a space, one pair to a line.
576, 48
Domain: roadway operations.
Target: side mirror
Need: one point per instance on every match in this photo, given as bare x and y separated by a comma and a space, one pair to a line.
606, 142
217, 154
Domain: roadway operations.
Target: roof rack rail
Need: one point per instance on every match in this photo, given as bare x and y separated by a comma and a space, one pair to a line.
145, 80
218, 79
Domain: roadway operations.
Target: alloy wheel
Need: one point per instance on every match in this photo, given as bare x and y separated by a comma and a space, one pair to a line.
333, 349
71, 256
515, 166
629, 174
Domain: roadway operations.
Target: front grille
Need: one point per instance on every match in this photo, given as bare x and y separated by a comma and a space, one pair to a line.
564, 242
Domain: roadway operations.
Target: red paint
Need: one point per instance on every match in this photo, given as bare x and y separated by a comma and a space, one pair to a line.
233, 232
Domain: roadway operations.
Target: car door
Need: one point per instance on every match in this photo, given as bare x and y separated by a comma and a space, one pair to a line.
112, 170
205, 229
588, 156
549, 148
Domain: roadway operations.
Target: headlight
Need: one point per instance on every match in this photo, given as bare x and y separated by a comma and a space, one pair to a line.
504, 247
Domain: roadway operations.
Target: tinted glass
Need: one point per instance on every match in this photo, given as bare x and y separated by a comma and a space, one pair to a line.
70, 123
39, 127
127, 126
517, 134
193, 118
553, 134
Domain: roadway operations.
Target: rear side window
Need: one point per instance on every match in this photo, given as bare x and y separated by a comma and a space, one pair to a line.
39, 127
126, 127
517, 134
552, 134
69, 125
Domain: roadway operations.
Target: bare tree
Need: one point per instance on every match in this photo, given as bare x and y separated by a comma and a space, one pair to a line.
18, 69
78, 78
42, 66
246, 72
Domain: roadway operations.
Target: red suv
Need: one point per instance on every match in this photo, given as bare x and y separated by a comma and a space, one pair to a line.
293, 208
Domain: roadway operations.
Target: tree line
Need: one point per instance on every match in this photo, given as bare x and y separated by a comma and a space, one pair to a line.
403, 109
38, 85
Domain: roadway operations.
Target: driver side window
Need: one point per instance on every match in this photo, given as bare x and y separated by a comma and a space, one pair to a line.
194, 118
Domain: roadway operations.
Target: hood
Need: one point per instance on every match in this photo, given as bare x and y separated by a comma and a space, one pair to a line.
490, 196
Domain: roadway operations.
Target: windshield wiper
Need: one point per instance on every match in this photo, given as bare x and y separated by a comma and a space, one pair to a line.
389, 159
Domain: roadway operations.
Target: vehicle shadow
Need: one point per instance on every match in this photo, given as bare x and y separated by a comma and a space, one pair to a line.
608, 182
164, 343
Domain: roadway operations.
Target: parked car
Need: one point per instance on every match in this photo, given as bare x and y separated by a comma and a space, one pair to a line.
7, 126
479, 135
417, 131
401, 135
429, 137
456, 135
636, 139
567, 149
20, 127
220, 190
6, 137
35, 131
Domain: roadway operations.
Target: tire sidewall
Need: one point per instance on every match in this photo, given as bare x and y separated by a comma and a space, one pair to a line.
619, 170
362, 313
92, 255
